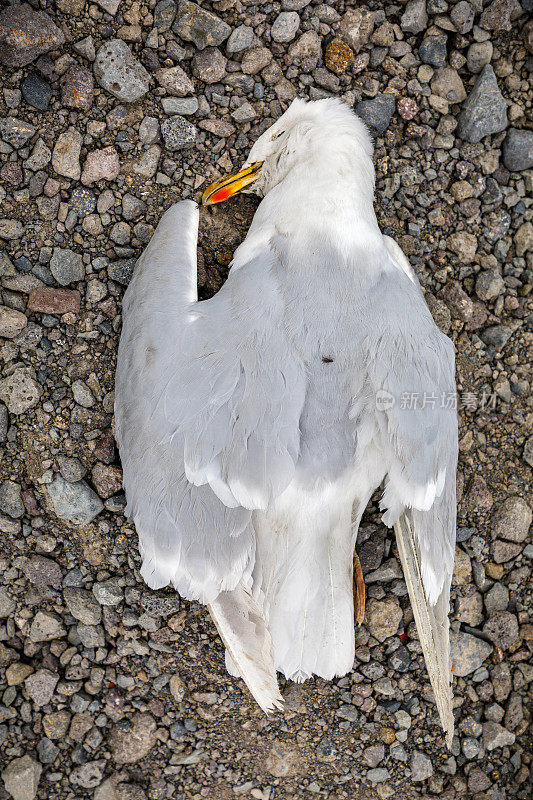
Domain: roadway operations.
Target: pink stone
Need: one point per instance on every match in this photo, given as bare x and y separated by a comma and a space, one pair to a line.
407, 108
101, 165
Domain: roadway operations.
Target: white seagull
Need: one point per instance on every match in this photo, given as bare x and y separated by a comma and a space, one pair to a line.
254, 427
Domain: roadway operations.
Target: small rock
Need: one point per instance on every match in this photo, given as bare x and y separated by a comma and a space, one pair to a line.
379, 775
479, 54
119, 73
209, 65
512, 520
462, 16
19, 391
26, 34
240, 39
164, 14
17, 673
485, 110
11, 229
12, 322
82, 201
83, 605
285, 26
489, 285
464, 245
111, 6
49, 300
41, 686
36, 92
414, 18
495, 735
527, 455
100, 165
7, 603
108, 593
183, 106
85, 48
66, 266
77, 88
40, 156
338, 56
377, 113
175, 81
467, 653
177, 688
15, 132
502, 629
374, 755
43, 571
306, 52
121, 271
107, 479
497, 598
66, 154
355, 27
433, 50
518, 150
500, 15
75, 502
46, 627
383, 617
407, 108
11, 499
178, 133
421, 766
197, 25
131, 740
21, 776
88, 775
446, 83
255, 60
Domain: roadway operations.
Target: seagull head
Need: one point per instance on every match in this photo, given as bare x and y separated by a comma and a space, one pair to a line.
316, 139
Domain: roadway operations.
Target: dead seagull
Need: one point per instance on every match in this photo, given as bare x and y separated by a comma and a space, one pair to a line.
255, 426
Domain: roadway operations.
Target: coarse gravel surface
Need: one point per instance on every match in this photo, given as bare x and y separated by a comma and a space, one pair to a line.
112, 110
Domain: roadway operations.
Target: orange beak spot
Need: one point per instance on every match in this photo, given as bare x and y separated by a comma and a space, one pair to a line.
226, 187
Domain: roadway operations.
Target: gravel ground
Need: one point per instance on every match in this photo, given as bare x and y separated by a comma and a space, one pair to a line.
110, 111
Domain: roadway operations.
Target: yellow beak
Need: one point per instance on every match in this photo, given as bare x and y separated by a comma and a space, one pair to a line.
226, 187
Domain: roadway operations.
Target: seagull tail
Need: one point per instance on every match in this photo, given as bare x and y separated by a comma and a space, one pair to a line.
432, 624
242, 627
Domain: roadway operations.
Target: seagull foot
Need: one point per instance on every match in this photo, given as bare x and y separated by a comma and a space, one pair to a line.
359, 592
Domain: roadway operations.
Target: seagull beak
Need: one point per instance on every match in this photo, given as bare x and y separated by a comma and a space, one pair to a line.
232, 184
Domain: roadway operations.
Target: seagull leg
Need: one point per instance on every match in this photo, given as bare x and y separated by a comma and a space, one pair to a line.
359, 592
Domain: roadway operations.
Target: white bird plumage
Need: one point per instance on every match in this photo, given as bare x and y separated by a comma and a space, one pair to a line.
249, 430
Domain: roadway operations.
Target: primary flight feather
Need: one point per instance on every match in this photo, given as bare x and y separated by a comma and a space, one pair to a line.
254, 427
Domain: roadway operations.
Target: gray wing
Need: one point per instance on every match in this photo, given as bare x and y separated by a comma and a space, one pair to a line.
208, 398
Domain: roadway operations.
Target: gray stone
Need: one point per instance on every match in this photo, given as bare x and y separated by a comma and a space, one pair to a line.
355, 27
41, 686
26, 34
20, 391
66, 266
101, 165
502, 629
43, 571
40, 156
11, 499
36, 92
240, 39
149, 130
46, 627
88, 775
446, 83
75, 502
197, 25
108, 593
379, 775
462, 16
497, 598
500, 14
11, 229
527, 454
164, 14
518, 150
83, 605
111, 6
7, 603
178, 133
495, 735
21, 778
15, 132
489, 284
119, 73
130, 743
512, 520
377, 113
85, 48
12, 322
421, 766
383, 617
209, 65
485, 110
285, 26
414, 19
497, 335
175, 81
183, 106
121, 271
479, 54
433, 50
66, 154
467, 653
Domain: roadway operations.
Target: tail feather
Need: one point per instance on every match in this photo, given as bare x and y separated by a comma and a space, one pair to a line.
242, 627
432, 624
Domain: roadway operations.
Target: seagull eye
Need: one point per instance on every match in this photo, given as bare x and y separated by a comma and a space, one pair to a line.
276, 135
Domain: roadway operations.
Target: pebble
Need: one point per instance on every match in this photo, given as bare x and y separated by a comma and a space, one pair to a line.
89, 775
467, 653
446, 83
377, 113
82, 394
40, 156
21, 777
512, 520
383, 617
36, 92
17, 673
433, 50
462, 15
502, 629
40, 686
132, 740
285, 26
355, 27
379, 775
66, 266
178, 133
108, 593
101, 165
306, 52
209, 65
12, 322
338, 56
518, 150
489, 285
43, 571
415, 18
66, 154
195, 24
15, 132
82, 201
164, 14
19, 391
499, 15
75, 502
175, 81
421, 767
83, 605
240, 39
485, 110
77, 88
106, 479
11, 499
183, 106
25, 34
119, 73
49, 300
407, 108
479, 54
495, 735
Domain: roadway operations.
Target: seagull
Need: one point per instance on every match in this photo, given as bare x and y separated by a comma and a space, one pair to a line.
255, 426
